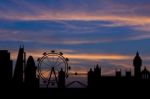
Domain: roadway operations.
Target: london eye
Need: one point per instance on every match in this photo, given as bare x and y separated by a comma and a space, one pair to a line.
49, 66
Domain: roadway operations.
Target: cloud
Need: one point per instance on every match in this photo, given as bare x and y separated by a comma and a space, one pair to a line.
107, 14
57, 38
113, 11
43, 39
97, 57
82, 16
82, 56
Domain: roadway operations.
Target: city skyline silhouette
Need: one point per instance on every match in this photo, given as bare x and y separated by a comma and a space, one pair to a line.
52, 74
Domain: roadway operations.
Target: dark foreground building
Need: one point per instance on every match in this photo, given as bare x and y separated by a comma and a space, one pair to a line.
31, 80
5, 69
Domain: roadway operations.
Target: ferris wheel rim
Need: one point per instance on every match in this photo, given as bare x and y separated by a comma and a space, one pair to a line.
59, 55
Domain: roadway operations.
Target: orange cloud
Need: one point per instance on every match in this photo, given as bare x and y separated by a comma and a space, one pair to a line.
82, 56
97, 56
38, 53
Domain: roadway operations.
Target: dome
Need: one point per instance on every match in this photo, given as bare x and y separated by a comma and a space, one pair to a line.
137, 60
137, 57
30, 61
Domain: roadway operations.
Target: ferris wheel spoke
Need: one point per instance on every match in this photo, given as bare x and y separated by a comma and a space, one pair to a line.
49, 61
57, 60
45, 72
59, 64
46, 64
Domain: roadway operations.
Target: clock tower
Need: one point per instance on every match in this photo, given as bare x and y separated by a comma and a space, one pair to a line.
137, 63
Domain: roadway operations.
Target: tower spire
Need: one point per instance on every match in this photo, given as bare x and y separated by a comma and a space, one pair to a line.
137, 53
19, 68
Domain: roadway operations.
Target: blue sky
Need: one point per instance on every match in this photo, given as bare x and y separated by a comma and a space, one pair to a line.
108, 32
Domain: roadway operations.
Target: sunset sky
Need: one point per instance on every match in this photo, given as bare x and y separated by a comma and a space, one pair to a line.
88, 32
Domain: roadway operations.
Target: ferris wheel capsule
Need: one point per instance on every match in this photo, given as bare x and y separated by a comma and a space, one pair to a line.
44, 53
61, 53
53, 51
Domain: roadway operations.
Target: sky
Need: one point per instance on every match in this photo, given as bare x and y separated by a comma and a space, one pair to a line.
88, 32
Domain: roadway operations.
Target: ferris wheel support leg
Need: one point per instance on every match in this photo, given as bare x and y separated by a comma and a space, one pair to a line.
55, 77
49, 79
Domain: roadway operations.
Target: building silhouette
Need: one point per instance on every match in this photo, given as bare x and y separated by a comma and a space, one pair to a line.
128, 74
94, 77
6, 69
90, 78
145, 74
137, 63
61, 79
30, 79
118, 73
97, 75
19, 69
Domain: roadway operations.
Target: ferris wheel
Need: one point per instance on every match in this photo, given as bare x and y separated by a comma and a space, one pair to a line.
49, 66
